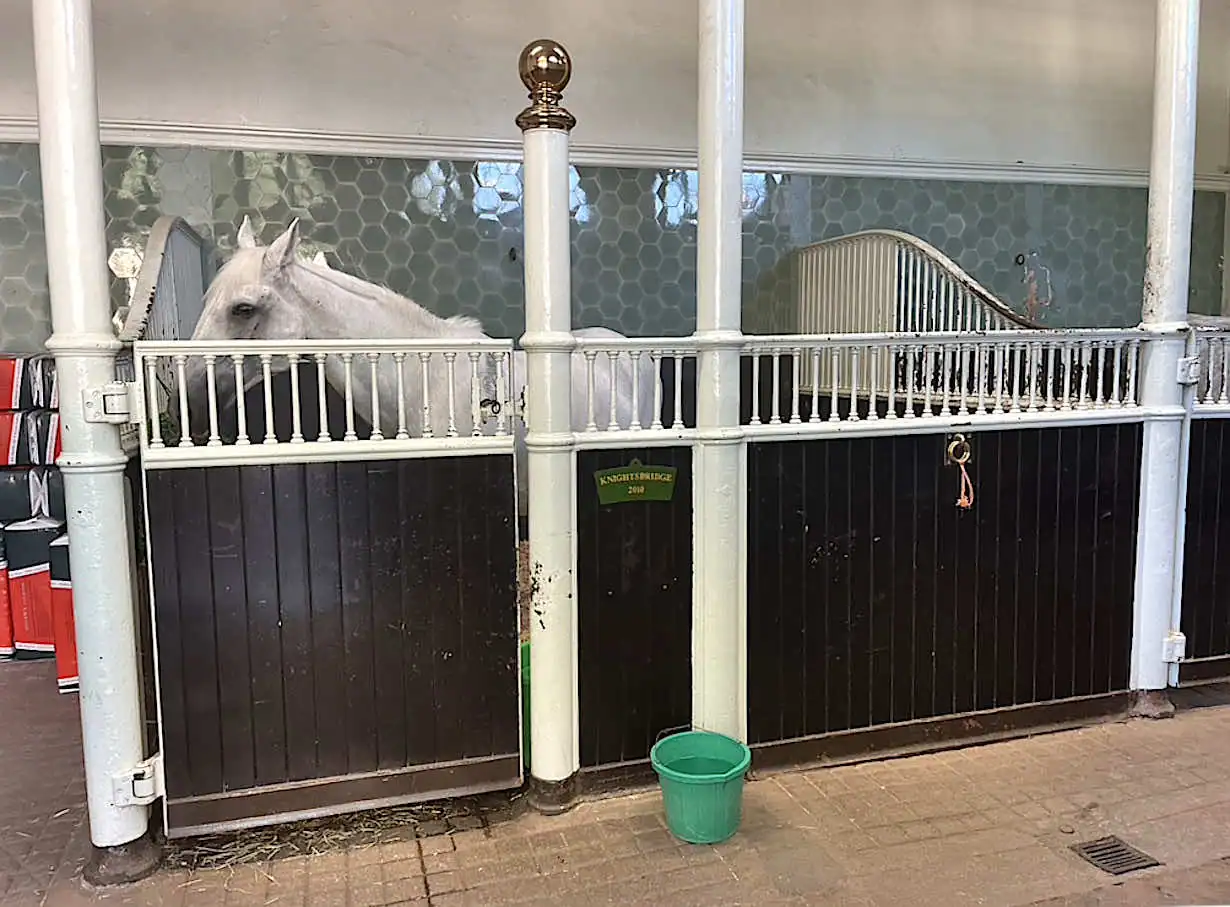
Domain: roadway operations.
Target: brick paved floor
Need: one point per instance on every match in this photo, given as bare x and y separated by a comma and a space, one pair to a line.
985, 825
42, 782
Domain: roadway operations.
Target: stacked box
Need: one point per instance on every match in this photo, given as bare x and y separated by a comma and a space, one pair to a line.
32, 607
27, 544
65, 632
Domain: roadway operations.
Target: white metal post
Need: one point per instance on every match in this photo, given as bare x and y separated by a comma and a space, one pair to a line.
719, 658
84, 345
554, 731
1155, 638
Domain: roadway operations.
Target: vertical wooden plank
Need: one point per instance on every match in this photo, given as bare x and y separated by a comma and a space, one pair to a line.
1049, 563
288, 687
389, 629
860, 497
1125, 521
474, 605
1030, 467
950, 561
762, 674
163, 564
259, 555
418, 652
358, 637
882, 582
1008, 571
446, 617
226, 554
328, 630
199, 648
785, 531
501, 622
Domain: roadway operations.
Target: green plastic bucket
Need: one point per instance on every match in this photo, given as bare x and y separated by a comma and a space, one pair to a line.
701, 774
525, 705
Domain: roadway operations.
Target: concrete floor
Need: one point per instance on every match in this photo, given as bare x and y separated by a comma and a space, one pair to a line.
983, 825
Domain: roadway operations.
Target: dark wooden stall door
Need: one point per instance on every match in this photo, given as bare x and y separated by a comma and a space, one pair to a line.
330, 621
1206, 564
634, 581
874, 599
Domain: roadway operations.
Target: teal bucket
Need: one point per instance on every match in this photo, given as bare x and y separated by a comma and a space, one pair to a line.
701, 774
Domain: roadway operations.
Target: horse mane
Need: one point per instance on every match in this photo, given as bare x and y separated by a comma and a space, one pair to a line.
244, 269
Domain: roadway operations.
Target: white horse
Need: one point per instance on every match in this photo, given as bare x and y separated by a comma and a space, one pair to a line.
273, 293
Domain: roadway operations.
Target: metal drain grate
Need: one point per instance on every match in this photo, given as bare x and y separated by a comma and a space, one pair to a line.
1114, 855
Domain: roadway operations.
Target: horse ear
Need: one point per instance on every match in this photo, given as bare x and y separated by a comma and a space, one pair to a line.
247, 236
281, 252
319, 259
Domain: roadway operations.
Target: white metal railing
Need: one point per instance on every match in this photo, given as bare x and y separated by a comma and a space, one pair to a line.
883, 281
633, 390
1086, 375
1211, 343
340, 399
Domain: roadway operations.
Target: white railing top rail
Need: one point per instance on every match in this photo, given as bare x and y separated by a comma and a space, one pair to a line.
323, 347
946, 264
770, 342
662, 345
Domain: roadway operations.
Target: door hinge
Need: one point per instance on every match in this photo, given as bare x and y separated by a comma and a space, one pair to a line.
1174, 647
1189, 370
117, 403
141, 785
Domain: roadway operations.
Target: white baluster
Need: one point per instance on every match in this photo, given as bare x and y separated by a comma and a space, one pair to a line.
399, 360
348, 371
241, 406
424, 377
635, 355
612, 359
296, 416
476, 408
154, 415
185, 429
322, 399
373, 372
450, 364
271, 436
211, 383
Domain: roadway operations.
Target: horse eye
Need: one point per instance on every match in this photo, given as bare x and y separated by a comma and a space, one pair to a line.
243, 310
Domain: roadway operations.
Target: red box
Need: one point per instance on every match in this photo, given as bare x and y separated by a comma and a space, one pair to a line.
28, 382
64, 629
28, 545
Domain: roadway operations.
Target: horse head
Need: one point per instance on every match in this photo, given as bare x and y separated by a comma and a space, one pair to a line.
254, 296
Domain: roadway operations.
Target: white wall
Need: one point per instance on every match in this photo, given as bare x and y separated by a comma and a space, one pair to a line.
832, 84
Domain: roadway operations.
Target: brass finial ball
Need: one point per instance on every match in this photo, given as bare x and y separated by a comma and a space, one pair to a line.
545, 64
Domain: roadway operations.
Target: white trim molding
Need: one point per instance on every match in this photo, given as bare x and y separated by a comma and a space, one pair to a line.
250, 137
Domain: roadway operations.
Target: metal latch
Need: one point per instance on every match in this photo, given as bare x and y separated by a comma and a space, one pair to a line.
139, 787
1174, 647
1189, 370
117, 403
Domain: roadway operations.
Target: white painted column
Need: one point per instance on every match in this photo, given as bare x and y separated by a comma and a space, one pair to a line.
93, 462
1167, 272
719, 652
548, 342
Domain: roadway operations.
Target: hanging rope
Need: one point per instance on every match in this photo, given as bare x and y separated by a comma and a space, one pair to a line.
959, 454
